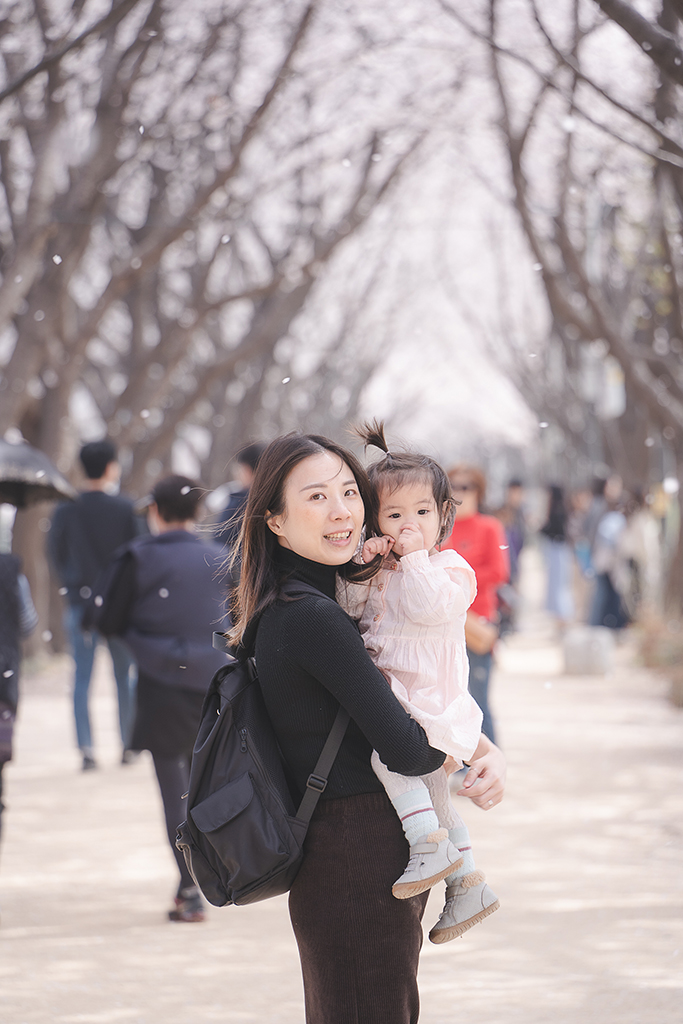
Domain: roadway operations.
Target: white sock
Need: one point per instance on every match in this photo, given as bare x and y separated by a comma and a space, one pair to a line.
417, 815
460, 837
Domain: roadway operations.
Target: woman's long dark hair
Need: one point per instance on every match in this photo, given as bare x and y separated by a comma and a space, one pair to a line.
398, 468
257, 545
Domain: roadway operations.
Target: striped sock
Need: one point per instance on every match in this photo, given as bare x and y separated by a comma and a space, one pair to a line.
460, 837
417, 815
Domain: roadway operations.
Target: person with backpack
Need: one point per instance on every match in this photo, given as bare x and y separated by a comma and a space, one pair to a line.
84, 535
163, 598
359, 945
18, 618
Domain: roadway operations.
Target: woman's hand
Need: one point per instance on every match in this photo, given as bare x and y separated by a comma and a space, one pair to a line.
485, 781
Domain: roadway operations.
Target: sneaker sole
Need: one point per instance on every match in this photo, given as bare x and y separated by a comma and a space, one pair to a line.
404, 890
446, 934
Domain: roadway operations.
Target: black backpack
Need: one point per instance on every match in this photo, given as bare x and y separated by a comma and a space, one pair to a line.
243, 837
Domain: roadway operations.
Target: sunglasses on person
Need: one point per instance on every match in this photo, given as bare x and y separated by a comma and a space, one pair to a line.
463, 487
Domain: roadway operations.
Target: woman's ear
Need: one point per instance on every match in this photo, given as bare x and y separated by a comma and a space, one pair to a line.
274, 522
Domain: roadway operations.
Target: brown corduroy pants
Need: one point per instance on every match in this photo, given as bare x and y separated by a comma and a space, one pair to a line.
359, 945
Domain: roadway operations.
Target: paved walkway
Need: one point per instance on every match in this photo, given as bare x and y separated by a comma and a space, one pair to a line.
586, 854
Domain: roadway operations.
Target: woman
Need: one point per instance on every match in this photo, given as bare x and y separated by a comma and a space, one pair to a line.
359, 946
164, 599
482, 542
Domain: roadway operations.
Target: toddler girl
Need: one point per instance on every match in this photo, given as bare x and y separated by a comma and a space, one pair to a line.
412, 618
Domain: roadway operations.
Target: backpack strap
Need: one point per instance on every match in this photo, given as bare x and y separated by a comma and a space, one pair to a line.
317, 780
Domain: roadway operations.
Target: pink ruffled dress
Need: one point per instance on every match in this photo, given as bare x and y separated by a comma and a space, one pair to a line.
412, 618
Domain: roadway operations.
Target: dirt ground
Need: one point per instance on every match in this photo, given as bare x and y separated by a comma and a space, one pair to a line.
585, 854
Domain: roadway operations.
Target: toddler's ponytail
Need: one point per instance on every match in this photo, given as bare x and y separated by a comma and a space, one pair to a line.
372, 433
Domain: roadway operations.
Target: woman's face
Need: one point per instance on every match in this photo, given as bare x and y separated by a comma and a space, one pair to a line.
323, 511
465, 490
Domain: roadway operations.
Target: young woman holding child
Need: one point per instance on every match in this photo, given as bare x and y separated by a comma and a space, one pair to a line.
359, 945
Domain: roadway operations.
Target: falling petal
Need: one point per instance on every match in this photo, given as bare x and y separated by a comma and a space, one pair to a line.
57, 259
286, 380
40, 474
99, 601
163, 592
532, 355
185, 490
649, 441
538, 266
18, 279
144, 413
63, 591
346, 163
141, 129
503, 547
47, 635
542, 424
8, 673
225, 239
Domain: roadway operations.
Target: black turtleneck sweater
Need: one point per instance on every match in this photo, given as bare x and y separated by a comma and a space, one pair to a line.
311, 658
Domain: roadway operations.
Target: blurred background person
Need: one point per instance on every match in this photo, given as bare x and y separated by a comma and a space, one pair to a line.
164, 598
513, 517
229, 521
559, 559
481, 541
83, 537
640, 556
18, 618
607, 606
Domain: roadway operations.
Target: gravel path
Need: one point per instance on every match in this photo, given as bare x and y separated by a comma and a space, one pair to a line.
585, 854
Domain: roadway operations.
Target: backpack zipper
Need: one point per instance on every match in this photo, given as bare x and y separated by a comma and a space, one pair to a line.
262, 772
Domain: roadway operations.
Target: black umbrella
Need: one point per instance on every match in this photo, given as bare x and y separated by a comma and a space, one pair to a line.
27, 476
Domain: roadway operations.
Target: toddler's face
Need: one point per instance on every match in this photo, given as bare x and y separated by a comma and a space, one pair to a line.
411, 508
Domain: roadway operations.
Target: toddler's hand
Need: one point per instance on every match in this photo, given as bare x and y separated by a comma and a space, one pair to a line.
376, 546
409, 539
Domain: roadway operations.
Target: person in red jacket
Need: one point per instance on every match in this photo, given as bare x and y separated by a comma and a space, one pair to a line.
481, 541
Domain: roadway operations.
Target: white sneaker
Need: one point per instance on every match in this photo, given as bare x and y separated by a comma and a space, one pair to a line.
431, 858
467, 903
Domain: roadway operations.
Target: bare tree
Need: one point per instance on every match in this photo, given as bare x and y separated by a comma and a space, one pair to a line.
173, 185
603, 218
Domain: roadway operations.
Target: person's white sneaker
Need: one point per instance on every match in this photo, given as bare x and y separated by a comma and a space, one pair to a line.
431, 858
467, 903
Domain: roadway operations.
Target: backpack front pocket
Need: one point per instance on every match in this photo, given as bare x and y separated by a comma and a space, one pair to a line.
240, 826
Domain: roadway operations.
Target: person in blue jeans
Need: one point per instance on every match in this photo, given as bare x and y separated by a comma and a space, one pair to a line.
83, 537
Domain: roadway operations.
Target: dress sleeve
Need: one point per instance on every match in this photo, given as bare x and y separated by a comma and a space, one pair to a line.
325, 643
433, 593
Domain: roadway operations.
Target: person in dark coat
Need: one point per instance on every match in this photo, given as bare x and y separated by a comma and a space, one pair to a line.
18, 618
164, 598
229, 521
83, 537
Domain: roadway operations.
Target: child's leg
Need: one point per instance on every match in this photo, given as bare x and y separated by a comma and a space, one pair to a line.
411, 800
432, 854
437, 784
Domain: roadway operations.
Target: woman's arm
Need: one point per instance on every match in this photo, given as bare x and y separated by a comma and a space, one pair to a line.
326, 644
